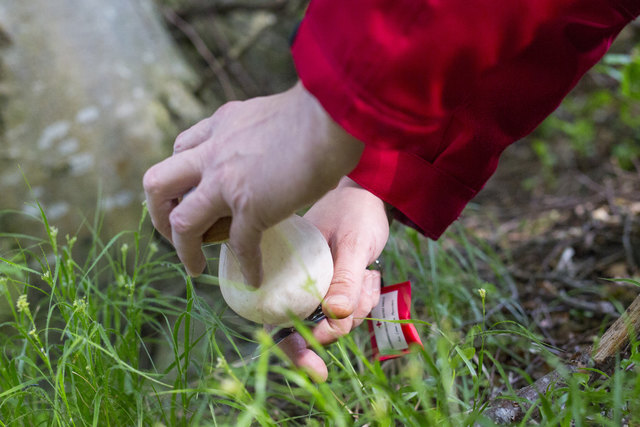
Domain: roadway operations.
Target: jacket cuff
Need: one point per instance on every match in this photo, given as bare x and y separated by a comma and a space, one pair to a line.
338, 92
427, 198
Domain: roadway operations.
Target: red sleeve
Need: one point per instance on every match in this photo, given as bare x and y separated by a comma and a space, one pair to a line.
438, 89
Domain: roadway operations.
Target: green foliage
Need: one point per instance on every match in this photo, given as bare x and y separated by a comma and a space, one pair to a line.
83, 340
596, 122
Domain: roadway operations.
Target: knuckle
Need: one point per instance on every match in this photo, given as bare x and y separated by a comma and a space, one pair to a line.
375, 275
180, 224
200, 198
225, 109
151, 181
244, 207
179, 142
350, 242
240, 202
344, 279
341, 327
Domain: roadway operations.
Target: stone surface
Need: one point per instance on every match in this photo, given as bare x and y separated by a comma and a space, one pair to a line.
91, 94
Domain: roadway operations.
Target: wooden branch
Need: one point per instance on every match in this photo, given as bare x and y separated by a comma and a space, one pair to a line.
507, 410
617, 337
602, 307
213, 8
615, 340
216, 66
231, 63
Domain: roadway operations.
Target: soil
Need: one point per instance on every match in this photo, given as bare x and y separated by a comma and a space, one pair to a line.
563, 242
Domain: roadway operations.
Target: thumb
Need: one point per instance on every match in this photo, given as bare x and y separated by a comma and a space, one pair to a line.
350, 262
244, 242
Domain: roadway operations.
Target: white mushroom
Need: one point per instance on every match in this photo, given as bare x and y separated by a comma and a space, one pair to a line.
298, 268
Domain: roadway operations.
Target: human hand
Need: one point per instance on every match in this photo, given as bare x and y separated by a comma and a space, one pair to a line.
256, 161
355, 224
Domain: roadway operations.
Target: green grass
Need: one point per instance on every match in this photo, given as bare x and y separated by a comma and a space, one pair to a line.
96, 339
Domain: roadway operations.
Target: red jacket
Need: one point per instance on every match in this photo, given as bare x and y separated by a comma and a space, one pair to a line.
437, 89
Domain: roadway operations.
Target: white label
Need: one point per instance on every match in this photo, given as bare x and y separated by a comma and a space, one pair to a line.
389, 336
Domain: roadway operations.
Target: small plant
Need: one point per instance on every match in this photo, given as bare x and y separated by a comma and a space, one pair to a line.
97, 342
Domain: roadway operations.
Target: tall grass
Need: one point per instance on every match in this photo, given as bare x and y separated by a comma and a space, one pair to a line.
101, 342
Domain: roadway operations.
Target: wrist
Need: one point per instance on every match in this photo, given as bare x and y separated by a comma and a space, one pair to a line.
347, 182
338, 150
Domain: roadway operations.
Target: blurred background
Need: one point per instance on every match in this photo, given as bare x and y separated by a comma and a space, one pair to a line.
92, 93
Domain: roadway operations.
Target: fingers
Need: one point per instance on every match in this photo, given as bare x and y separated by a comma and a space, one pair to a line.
376, 283
189, 221
194, 136
329, 330
295, 347
185, 223
164, 183
203, 130
244, 242
370, 297
350, 262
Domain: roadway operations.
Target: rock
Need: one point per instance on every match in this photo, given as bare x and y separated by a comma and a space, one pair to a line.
91, 94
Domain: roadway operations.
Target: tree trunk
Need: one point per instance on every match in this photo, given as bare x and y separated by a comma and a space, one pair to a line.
92, 93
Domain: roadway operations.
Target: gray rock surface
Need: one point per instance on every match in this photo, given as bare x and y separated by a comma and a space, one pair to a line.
92, 93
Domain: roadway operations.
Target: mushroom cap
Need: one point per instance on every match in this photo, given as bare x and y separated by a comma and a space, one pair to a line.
297, 266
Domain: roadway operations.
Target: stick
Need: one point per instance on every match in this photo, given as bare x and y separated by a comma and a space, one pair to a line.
218, 8
617, 337
216, 67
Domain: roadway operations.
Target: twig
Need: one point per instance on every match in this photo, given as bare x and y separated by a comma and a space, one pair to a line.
206, 54
219, 8
602, 307
239, 73
249, 40
504, 410
618, 335
562, 278
626, 242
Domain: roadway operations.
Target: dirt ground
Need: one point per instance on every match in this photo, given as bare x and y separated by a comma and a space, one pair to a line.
560, 242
